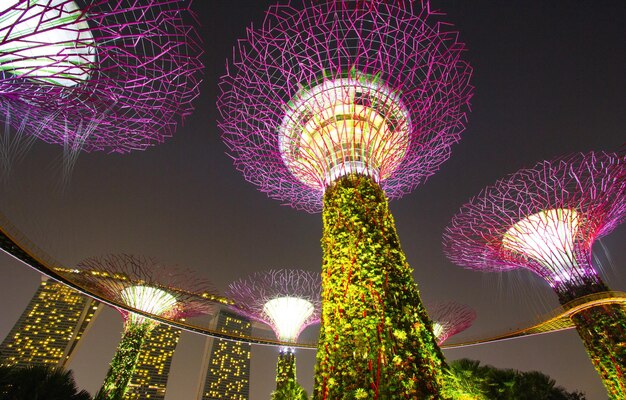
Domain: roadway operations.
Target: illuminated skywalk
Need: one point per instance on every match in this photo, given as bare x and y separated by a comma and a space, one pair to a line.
558, 320
17, 245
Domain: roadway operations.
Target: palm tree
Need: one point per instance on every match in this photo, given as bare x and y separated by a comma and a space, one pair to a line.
468, 380
39, 383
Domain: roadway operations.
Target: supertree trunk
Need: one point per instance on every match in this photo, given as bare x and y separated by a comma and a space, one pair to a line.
124, 361
376, 340
285, 369
603, 332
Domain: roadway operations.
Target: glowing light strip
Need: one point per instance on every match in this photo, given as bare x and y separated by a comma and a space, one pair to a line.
288, 315
547, 237
46, 40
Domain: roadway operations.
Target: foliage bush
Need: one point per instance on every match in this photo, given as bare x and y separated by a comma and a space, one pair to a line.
468, 380
290, 391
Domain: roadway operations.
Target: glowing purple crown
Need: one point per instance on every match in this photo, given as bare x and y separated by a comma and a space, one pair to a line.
287, 300
336, 87
450, 318
105, 75
144, 284
545, 219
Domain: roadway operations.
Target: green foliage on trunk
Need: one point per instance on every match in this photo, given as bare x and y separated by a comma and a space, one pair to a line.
603, 331
376, 340
285, 369
290, 391
124, 361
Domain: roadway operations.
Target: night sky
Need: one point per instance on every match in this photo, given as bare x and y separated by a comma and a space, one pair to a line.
550, 79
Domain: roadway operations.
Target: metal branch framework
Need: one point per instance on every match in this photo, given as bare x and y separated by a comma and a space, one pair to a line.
146, 285
287, 300
545, 219
450, 318
323, 89
105, 75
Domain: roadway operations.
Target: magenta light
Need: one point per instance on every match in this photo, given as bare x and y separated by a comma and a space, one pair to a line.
145, 284
396, 59
297, 292
105, 75
450, 318
544, 218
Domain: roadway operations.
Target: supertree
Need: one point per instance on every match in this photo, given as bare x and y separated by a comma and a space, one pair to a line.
546, 219
287, 300
450, 318
145, 285
95, 75
337, 104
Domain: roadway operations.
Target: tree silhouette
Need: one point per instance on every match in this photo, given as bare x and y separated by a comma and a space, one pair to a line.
468, 380
39, 383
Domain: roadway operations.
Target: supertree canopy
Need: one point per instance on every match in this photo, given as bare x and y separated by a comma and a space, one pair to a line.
106, 75
145, 285
450, 318
288, 301
343, 87
340, 103
546, 219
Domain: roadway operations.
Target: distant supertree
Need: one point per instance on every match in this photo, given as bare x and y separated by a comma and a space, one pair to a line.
450, 318
352, 101
546, 219
95, 75
145, 285
288, 301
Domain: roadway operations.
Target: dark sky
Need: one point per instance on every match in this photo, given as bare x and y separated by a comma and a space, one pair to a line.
550, 79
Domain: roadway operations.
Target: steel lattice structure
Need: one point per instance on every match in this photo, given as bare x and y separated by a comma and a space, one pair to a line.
450, 318
145, 285
342, 104
105, 75
546, 219
259, 298
335, 87
287, 300
110, 276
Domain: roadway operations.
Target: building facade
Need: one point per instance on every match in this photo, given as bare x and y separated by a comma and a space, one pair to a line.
150, 378
49, 330
227, 373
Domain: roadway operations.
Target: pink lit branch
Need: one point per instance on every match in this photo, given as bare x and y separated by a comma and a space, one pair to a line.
326, 88
544, 218
105, 75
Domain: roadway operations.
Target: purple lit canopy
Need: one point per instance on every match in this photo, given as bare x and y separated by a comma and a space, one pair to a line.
326, 88
544, 218
144, 284
450, 318
103, 75
287, 300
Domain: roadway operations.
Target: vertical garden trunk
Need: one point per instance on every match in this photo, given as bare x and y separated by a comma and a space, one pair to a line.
285, 369
124, 361
603, 332
376, 340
